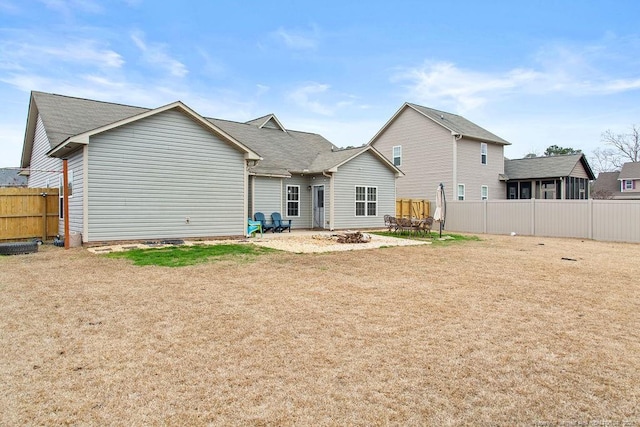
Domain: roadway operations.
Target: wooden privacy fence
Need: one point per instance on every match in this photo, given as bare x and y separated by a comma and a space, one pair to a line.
412, 208
26, 213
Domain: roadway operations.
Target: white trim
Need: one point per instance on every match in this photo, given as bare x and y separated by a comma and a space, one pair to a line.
399, 156
458, 187
84, 137
275, 119
85, 193
286, 209
366, 200
484, 153
482, 191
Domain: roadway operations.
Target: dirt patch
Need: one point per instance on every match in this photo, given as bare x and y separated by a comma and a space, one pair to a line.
502, 331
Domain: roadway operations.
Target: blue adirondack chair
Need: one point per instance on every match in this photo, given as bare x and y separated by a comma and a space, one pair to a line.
279, 224
259, 216
253, 227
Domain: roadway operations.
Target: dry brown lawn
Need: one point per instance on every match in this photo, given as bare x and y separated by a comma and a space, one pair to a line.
501, 331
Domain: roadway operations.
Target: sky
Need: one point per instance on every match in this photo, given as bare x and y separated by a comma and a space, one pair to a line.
536, 73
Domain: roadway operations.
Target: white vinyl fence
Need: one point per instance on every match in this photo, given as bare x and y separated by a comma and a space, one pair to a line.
608, 220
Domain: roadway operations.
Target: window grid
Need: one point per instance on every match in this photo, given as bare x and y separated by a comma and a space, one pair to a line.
293, 200
397, 155
484, 192
460, 191
366, 201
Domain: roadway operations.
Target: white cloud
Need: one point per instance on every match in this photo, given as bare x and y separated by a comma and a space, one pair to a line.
67, 7
304, 97
298, 39
36, 52
155, 54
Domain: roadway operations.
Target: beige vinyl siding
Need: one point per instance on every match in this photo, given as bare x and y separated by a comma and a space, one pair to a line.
607, 220
268, 195
364, 170
147, 177
579, 172
473, 174
427, 154
305, 218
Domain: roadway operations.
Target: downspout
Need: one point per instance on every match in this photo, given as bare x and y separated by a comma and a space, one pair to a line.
454, 187
331, 199
85, 193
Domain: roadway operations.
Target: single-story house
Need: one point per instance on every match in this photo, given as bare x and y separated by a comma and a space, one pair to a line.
549, 177
622, 185
168, 172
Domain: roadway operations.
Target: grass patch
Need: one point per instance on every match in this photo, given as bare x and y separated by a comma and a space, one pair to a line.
181, 256
435, 237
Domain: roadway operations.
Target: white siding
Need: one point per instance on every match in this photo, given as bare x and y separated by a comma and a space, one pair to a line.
427, 154
146, 178
364, 170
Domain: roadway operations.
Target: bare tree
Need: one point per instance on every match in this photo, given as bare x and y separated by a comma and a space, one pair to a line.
624, 147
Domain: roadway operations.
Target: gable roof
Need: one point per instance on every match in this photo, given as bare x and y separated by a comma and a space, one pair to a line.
454, 123
270, 121
630, 170
545, 167
69, 122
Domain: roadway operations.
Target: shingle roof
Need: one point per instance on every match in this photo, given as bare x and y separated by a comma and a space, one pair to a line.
291, 151
630, 170
10, 178
545, 167
608, 186
282, 152
459, 124
65, 116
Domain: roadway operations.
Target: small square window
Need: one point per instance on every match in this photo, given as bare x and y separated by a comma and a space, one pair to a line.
628, 184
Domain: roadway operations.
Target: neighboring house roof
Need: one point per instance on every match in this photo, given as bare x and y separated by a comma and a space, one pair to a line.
9, 178
69, 123
454, 123
608, 184
630, 170
545, 167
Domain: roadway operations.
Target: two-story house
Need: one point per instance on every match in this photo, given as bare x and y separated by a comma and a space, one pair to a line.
432, 147
623, 185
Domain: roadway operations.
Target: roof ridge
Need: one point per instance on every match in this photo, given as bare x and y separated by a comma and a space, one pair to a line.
434, 109
90, 100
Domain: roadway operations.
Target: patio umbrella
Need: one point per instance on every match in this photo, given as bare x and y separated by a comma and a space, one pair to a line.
441, 207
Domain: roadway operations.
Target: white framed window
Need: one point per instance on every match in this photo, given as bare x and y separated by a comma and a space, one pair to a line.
460, 191
628, 184
484, 192
61, 191
366, 201
397, 155
483, 153
293, 200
